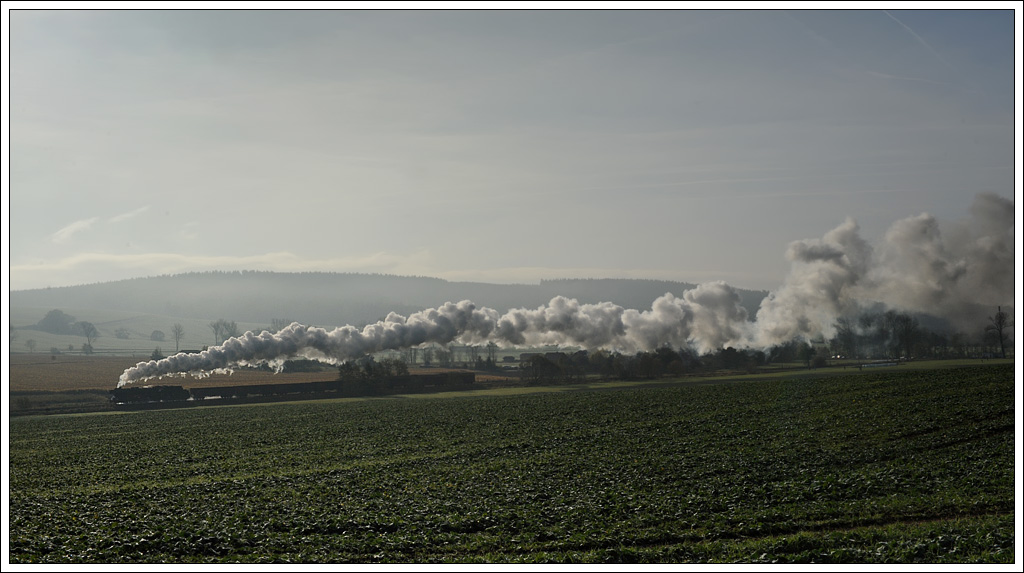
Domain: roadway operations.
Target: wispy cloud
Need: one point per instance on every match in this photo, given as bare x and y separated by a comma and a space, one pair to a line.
129, 214
919, 39
807, 29
188, 230
65, 234
907, 78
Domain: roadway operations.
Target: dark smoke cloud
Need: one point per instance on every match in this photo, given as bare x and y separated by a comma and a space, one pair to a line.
921, 266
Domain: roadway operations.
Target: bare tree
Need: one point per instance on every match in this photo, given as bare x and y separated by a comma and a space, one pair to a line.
907, 331
31, 344
846, 338
217, 327
278, 324
230, 329
178, 331
89, 331
223, 330
997, 329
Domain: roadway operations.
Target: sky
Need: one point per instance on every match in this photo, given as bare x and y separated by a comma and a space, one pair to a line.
494, 145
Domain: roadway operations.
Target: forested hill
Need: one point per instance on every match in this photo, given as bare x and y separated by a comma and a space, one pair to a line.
334, 298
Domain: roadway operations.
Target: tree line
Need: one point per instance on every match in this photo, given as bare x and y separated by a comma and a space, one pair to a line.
899, 335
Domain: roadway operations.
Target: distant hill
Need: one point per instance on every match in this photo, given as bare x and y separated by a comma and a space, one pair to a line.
332, 299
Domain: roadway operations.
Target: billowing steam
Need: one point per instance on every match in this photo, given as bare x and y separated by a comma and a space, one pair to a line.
706, 317
916, 269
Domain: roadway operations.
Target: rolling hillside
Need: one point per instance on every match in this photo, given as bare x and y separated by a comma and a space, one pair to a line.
255, 299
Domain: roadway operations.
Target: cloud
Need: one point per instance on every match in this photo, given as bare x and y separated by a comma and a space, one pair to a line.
65, 234
188, 230
129, 214
919, 39
907, 78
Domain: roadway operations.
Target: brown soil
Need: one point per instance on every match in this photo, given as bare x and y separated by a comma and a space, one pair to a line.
45, 372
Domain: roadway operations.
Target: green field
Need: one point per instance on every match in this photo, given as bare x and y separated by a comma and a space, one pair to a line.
877, 467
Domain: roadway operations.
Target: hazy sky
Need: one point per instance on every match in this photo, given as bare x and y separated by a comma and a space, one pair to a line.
497, 146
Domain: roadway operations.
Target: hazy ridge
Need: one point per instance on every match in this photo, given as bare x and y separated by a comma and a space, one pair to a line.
334, 298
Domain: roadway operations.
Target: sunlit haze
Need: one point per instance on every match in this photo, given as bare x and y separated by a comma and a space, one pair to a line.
494, 146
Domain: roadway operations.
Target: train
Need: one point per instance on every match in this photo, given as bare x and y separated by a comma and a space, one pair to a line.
410, 384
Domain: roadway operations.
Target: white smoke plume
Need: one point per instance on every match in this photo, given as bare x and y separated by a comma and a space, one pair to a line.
917, 268
441, 325
706, 317
821, 286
